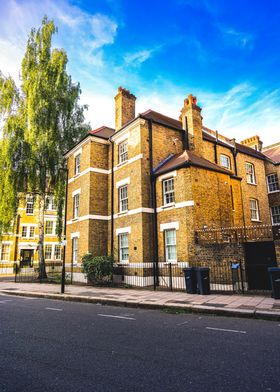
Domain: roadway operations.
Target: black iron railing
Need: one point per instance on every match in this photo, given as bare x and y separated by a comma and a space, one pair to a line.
227, 235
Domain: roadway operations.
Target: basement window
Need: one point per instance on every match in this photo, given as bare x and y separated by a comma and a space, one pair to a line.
123, 151
272, 183
275, 214
168, 191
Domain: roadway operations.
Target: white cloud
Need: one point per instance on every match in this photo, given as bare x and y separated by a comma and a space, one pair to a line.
237, 38
138, 57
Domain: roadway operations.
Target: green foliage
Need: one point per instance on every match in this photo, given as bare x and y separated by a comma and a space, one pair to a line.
98, 269
41, 121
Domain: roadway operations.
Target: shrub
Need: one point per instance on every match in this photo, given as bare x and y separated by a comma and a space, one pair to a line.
98, 269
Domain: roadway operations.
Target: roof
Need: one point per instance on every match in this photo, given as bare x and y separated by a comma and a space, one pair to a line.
188, 158
273, 152
104, 132
160, 118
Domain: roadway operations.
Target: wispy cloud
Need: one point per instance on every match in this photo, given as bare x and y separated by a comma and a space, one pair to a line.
233, 37
137, 58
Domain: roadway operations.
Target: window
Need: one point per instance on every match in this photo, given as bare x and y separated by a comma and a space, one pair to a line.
57, 252
123, 246
24, 231
76, 205
123, 151
75, 250
48, 252
170, 246
49, 227
225, 161
123, 198
50, 203
168, 191
254, 209
30, 205
5, 252
250, 173
275, 213
31, 231
78, 164
272, 183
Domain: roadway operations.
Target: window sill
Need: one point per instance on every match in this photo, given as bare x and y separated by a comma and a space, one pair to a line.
30, 214
252, 183
273, 192
75, 219
256, 220
123, 263
122, 212
168, 205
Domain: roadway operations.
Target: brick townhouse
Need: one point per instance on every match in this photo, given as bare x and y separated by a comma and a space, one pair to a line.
142, 191
20, 245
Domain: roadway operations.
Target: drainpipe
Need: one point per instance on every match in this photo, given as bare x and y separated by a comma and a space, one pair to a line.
112, 201
215, 148
154, 203
185, 134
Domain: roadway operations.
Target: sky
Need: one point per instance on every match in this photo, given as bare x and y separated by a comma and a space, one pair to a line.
224, 52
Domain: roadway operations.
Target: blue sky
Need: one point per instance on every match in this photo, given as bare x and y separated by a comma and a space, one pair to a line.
224, 52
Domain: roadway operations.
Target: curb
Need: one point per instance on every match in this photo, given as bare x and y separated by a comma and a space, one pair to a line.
210, 310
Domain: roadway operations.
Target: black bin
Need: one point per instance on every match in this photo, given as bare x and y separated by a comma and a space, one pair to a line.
274, 276
190, 278
203, 282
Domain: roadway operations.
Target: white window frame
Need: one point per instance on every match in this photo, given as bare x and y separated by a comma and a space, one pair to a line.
50, 203
226, 159
30, 200
277, 215
123, 151
167, 246
27, 230
78, 164
57, 252
123, 199
250, 173
122, 248
76, 205
24, 230
75, 250
168, 193
275, 183
254, 210
8, 252
51, 252
53, 227
33, 229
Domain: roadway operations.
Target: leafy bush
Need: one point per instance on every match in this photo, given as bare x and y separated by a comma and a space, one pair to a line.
98, 269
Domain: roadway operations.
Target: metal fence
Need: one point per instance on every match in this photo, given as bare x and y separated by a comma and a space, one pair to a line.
31, 274
224, 277
227, 235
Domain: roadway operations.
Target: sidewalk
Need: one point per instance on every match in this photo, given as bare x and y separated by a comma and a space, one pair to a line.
226, 305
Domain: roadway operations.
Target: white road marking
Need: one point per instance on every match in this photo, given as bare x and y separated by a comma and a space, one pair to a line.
119, 317
58, 310
185, 322
225, 330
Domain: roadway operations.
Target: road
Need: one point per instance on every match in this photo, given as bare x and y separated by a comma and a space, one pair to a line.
49, 345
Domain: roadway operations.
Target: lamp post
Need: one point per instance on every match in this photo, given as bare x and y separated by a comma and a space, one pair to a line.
64, 234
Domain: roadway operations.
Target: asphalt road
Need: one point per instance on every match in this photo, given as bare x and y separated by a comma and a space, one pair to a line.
61, 346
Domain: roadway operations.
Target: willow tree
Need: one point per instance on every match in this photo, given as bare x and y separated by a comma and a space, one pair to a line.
40, 120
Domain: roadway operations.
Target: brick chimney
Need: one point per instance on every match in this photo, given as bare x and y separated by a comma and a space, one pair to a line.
253, 142
192, 123
125, 107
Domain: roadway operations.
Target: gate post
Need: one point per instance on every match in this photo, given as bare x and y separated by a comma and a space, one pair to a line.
170, 276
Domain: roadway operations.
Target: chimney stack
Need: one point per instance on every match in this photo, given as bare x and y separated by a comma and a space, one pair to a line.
253, 142
124, 107
192, 123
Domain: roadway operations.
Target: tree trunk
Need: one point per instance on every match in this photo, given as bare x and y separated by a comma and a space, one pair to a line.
42, 265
